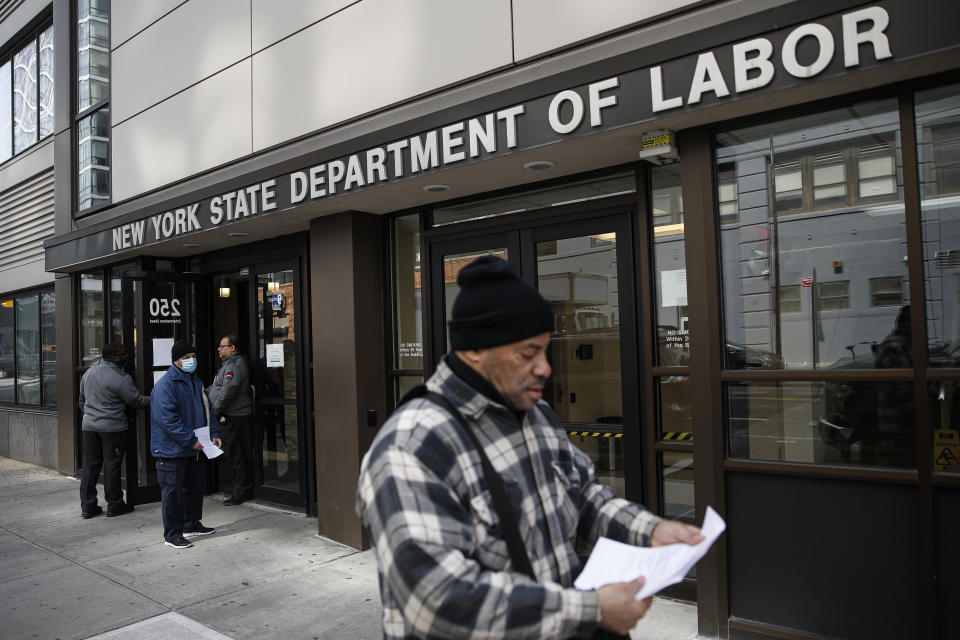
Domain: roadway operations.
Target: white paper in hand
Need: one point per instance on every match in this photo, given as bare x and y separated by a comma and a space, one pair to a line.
612, 561
209, 449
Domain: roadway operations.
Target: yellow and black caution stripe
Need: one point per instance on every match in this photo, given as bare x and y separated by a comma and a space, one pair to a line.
596, 434
680, 436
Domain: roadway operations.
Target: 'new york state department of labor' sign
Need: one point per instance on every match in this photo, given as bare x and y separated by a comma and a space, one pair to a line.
828, 47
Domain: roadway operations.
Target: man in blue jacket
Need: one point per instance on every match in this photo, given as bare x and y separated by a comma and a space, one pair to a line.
178, 405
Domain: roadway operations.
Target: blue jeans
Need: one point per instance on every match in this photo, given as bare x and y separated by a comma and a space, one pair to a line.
181, 486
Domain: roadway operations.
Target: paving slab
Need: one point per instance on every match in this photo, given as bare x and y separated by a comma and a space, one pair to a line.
22, 558
333, 601
169, 626
241, 553
69, 602
667, 620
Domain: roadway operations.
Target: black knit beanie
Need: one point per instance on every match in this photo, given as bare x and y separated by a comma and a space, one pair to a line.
180, 349
495, 307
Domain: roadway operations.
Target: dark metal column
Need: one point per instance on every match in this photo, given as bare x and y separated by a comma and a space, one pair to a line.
706, 348
346, 316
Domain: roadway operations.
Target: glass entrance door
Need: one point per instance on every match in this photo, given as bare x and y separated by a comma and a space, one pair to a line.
277, 368
159, 309
584, 269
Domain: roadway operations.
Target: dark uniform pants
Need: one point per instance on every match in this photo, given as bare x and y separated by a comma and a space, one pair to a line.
181, 494
102, 450
237, 435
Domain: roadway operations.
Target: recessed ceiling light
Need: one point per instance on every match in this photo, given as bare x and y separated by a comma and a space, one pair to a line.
436, 188
191, 245
237, 234
538, 165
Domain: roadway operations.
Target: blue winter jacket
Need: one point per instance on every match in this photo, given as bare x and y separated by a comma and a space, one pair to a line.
176, 409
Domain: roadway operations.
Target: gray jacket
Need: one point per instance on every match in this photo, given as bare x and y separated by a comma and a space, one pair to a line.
230, 392
104, 390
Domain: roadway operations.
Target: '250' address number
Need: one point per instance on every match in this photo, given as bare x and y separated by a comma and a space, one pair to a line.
161, 307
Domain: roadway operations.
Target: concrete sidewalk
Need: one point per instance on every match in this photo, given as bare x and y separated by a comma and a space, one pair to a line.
265, 573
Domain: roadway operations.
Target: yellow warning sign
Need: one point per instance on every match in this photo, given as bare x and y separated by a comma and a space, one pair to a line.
946, 450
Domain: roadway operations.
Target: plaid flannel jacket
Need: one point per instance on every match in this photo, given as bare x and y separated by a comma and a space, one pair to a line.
443, 562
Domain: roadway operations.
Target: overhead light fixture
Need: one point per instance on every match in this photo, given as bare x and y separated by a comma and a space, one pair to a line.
224, 292
237, 234
538, 165
273, 287
191, 245
436, 188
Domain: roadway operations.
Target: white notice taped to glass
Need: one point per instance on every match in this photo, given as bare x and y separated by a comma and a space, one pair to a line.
275, 355
612, 561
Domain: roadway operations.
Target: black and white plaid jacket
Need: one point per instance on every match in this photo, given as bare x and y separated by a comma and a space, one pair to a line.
443, 562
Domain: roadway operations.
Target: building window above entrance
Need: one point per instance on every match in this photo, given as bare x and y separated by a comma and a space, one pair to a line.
26, 94
580, 191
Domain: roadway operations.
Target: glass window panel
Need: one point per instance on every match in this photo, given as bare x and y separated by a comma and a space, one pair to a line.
579, 279
405, 383
48, 337
28, 350
25, 97
6, 97
46, 82
591, 189
91, 317
938, 153
763, 253
833, 296
93, 52
835, 422
829, 179
790, 299
670, 256
674, 408
8, 363
677, 471
93, 159
886, 292
409, 310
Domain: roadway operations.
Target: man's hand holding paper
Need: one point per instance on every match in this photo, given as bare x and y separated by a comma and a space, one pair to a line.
676, 549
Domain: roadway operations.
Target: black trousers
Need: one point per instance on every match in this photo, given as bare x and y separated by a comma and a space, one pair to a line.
237, 435
181, 494
102, 450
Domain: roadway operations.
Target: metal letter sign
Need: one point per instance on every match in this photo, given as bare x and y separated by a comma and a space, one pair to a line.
164, 311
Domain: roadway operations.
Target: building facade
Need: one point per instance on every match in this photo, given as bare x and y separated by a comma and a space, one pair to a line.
744, 214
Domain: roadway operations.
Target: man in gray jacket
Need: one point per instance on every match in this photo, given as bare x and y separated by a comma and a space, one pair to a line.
105, 392
233, 403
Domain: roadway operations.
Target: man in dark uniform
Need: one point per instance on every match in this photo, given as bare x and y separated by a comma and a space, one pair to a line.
105, 392
233, 403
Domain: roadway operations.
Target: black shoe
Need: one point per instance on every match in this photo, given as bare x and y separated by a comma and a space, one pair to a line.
199, 531
121, 510
91, 514
178, 543
229, 502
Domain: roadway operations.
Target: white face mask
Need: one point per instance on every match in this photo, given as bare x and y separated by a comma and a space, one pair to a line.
188, 364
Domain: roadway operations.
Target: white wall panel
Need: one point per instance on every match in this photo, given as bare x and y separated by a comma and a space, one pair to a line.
203, 127
130, 16
541, 26
197, 40
371, 55
274, 20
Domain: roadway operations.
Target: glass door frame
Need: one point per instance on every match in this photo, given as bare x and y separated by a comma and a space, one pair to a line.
519, 234
305, 497
135, 335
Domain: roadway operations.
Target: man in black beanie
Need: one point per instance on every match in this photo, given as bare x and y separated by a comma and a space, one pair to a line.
178, 406
465, 544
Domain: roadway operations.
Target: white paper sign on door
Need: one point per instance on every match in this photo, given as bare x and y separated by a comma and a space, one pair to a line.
274, 355
161, 352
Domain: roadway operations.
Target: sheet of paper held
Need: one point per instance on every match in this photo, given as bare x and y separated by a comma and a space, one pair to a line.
209, 449
612, 561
